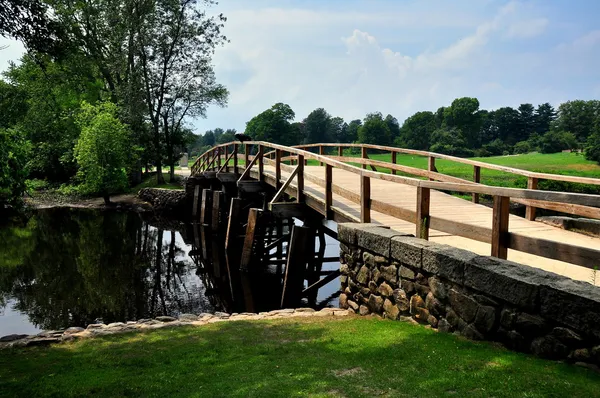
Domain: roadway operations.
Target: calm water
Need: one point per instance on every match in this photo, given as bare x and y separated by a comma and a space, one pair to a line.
73, 267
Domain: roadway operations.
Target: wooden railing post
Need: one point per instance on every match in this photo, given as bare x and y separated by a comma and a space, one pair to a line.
277, 169
235, 159
363, 154
246, 155
218, 154
422, 219
500, 227
227, 159
321, 152
365, 199
261, 165
431, 165
340, 151
300, 177
328, 192
532, 183
394, 154
476, 179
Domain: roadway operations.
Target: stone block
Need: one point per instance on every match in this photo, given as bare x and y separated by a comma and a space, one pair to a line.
373, 287
549, 347
580, 355
408, 250
401, 300
446, 261
390, 274
363, 275
343, 301
375, 303
507, 318
385, 290
444, 326
363, 310
391, 310
438, 288
575, 304
376, 239
567, 336
433, 321
530, 325
514, 283
416, 302
463, 305
406, 273
455, 320
376, 275
422, 290
485, 319
368, 259
471, 332
408, 286
352, 305
434, 305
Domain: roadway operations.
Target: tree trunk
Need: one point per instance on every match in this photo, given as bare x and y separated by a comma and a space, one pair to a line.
107, 201
160, 180
172, 176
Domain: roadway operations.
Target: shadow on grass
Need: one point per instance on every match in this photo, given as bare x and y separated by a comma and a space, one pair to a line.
298, 357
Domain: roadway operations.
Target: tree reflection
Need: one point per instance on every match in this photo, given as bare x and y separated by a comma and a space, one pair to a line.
69, 267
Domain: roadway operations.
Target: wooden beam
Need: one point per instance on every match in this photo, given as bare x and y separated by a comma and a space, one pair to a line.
216, 210
249, 186
285, 185
233, 222
246, 172
235, 158
363, 154
431, 165
422, 219
532, 183
500, 227
278, 169
477, 180
251, 230
300, 249
300, 178
261, 165
578, 255
394, 154
365, 199
322, 153
579, 210
328, 191
225, 168
206, 207
247, 149
319, 284
288, 210
196, 202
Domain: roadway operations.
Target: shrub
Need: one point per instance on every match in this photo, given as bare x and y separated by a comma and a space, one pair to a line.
14, 150
556, 141
522, 147
592, 150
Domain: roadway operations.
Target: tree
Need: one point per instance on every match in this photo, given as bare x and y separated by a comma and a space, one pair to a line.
416, 131
556, 141
507, 122
317, 127
527, 122
578, 117
374, 130
101, 150
13, 158
338, 130
449, 142
352, 131
544, 116
274, 125
394, 127
463, 115
592, 150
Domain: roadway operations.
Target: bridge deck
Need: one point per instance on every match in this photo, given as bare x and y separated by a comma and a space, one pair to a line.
451, 208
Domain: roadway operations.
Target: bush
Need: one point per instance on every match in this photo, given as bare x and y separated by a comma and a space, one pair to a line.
522, 147
450, 142
496, 147
14, 150
592, 150
556, 141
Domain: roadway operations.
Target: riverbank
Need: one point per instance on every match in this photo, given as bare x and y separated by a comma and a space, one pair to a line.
309, 356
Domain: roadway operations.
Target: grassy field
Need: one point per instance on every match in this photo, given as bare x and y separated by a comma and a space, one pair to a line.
316, 357
149, 181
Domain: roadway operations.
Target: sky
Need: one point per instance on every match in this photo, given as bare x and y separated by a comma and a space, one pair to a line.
353, 57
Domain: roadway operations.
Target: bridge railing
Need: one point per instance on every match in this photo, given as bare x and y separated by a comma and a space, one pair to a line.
293, 159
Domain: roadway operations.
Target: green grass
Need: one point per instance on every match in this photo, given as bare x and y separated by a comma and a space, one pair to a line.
149, 181
317, 357
557, 163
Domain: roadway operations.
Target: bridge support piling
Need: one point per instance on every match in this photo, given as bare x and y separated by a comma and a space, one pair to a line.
301, 246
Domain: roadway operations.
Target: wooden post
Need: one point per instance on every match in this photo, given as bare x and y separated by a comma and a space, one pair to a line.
300, 177
431, 165
363, 154
500, 227
218, 155
235, 159
394, 154
216, 210
340, 151
532, 183
246, 155
206, 208
226, 159
233, 221
321, 152
476, 179
365, 199
300, 249
195, 207
247, 250
422, 221
277, 169
261, 165
328, 192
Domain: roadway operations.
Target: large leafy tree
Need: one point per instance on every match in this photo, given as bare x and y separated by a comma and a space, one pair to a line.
416, 131
544, 116
578, 117
274, 125
394, 128
352, 131
13, 157
317, 127
464, 115
374, 130
101, 150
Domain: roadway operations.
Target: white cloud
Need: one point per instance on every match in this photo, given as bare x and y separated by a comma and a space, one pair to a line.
528, 28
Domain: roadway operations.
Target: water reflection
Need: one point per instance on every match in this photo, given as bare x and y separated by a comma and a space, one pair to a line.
66, 267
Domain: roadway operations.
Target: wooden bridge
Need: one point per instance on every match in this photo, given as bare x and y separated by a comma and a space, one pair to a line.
321, 177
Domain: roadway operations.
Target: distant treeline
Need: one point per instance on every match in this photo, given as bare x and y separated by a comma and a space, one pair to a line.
461, 129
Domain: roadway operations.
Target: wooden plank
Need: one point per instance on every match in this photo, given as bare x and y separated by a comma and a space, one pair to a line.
365, 199
247, 149
500, 227
363, 154
328, 191
251, 230
261, 165
477, 180
233, 222
431, 165
278, 169
216, 210
394, 153
249, 186
285, 185
319, 284
235, 158
196, 202
300, 249
584, 211
322, 153
206, 207
422, 217
249, 166
288, 210
532, 183
582, 256
300, 178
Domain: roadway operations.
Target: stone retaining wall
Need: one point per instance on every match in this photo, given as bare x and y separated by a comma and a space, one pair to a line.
166, 201
482, 298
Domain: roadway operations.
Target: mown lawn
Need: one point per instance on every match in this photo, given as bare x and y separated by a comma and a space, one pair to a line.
149, 181
317, 357
556, 163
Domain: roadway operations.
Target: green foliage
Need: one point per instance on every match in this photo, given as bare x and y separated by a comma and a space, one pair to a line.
274, 125
522, 147
592, 150
374, 130
317, 127
416, 131
556, 141
578, 117
450, 142
14, 150
464, 116
313, 356
495, 148
101, 150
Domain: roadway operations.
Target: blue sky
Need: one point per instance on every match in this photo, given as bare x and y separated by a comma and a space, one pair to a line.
352, 57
